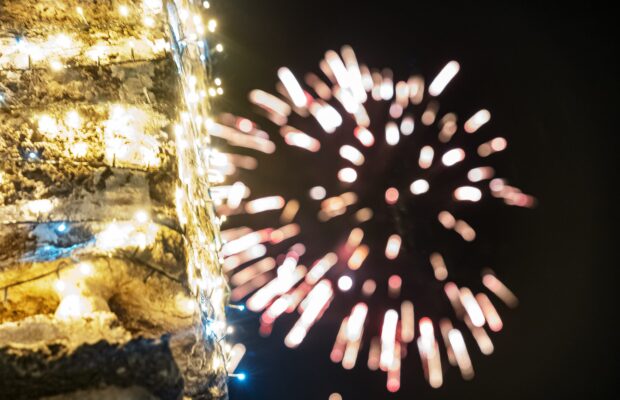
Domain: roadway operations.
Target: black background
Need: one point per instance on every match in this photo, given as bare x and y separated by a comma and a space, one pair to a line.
546, 73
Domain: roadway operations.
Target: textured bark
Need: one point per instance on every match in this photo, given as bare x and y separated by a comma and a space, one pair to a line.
138, 340
56, 367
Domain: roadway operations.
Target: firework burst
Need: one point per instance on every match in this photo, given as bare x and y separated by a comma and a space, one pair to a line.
378, 184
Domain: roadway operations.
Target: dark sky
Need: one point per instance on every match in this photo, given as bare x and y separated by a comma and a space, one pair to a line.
547, 75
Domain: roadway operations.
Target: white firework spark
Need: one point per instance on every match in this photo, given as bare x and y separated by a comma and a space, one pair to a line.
358, 160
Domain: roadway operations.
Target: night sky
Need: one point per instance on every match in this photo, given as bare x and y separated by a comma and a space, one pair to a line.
546, 75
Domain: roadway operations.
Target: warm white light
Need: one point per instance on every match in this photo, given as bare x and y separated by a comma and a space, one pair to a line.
318, 193
446, 219
235, 194
408, 321
317, 299
392, 247
85, 268
426, 328
73, 306
429, 115
365, 137
63, 41
347, 100
460, 353
337, 67
235, 355
142, 217
40, 206
264, 204
60, 286
477, 120
392, 135
186, 304
416, 89
123, 10
327, 116
465, 230
47, 125
149, 22
492, 146
419, 186
347, 175
407, 125
452, 157
355, 325
126, 139
363, 215
386, 89
388, 336
345, 283
472, 307
439, 266
299, 139
56, 65
357, 258
443, 78
500, 290
212, 24
292, 87
73, 120
490, 313
480, 173
352, 154
468, 193
426, 157
321, 267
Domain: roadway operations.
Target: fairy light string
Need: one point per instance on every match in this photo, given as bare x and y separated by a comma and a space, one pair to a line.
180, 29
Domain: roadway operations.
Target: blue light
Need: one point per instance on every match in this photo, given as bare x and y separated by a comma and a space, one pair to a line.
241, 376
208, 330
61, 228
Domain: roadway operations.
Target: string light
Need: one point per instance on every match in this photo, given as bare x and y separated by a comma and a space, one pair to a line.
123, 10
56, 65
62, 227
149, 22
212, 24
128, 143
240, 376
79, 149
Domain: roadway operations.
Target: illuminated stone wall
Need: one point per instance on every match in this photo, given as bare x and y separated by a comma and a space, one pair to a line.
109, 269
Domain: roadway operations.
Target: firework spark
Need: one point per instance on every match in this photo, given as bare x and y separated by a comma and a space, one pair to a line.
377, 188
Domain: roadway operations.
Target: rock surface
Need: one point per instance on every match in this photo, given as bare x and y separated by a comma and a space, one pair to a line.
94, 299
